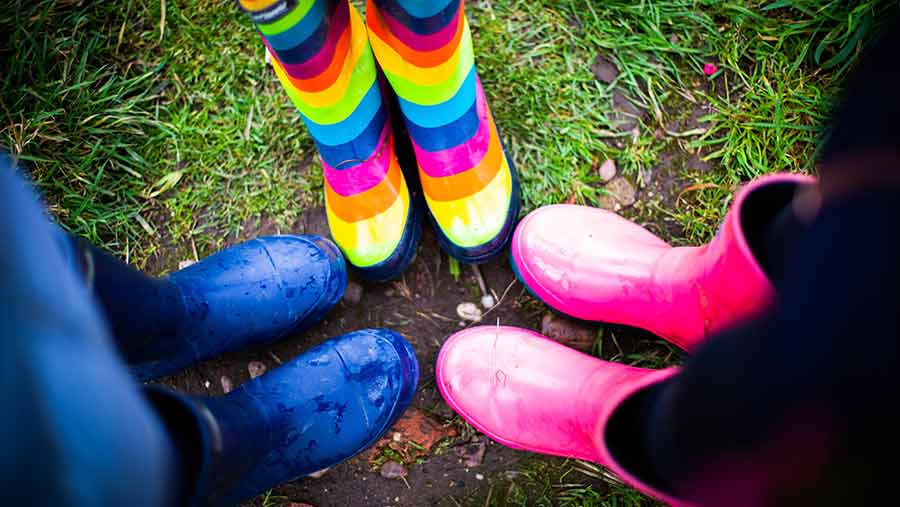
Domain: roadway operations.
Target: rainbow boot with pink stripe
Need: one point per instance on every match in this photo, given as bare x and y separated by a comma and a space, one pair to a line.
468, 180
595, 265
321, 55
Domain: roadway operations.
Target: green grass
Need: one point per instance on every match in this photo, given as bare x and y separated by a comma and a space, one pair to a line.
155, 128
150, 131
556, 482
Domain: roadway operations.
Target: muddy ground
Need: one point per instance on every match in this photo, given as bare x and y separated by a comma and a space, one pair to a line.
421, 306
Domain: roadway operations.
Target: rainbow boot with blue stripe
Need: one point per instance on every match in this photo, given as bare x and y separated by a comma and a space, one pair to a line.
322, 56
467, 178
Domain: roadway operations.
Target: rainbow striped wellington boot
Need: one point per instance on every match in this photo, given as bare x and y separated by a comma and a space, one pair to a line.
321, 55
468, 180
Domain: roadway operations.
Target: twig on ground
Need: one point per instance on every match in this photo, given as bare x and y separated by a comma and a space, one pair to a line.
499, 302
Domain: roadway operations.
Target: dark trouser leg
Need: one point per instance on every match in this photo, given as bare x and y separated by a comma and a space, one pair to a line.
796, 405
797, 408
76, 430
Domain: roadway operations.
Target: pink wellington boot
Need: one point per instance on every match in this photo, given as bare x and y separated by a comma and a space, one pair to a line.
595, 265
529, 392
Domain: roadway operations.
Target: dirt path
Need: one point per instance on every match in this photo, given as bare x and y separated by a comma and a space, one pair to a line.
421, 306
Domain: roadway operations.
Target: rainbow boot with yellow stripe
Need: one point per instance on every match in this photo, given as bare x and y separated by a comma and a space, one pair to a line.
469, 182
321, 55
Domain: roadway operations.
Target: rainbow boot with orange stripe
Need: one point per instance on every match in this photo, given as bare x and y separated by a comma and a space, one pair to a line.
468, 180
321, 55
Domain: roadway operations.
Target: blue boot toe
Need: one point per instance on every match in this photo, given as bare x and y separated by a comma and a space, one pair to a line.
250, 294
318, 410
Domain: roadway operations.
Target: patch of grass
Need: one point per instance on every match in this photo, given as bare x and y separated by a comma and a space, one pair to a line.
152, 129
79, 121
645, 351
149, 129
454, 268
269, 499
780, 68
557, 482
780, 65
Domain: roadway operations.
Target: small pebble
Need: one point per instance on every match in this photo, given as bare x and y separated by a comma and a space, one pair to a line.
227, 384
318, 474
479, 477
604, 69
472, 454
569, 332
353, 293
256, 368
607, 170
487, 301
469, 311
622, 191
393, 470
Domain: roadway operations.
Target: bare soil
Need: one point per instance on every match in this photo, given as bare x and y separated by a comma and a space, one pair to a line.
421, 306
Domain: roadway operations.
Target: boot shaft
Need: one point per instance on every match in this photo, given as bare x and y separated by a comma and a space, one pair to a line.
249, 294
715, 286
322, 56
619, 433
139, 309
595, 265
219, 439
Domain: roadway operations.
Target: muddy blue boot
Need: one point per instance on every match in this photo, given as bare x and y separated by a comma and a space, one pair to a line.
314, 412
249, 294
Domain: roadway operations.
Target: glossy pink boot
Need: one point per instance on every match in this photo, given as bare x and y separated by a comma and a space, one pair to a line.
595, 265
529, 392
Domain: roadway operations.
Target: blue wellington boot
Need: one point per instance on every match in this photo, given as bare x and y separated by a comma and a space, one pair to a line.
314, 412
249, 294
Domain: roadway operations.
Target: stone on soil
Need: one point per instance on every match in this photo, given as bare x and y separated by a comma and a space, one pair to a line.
604, 69
607, 170
469, 311
568, 332
319, 473
472, 454
256, 368
621, 190
353, 293
227, 384
393, 470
